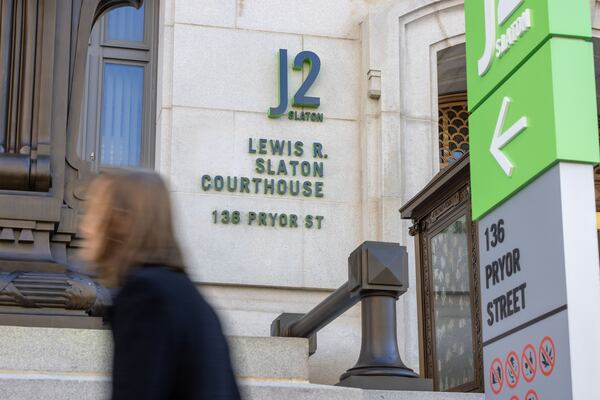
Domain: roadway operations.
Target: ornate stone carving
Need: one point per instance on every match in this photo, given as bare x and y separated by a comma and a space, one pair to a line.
67, 291
43, 55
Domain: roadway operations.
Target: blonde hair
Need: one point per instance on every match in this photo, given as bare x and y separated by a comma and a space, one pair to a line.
133, 224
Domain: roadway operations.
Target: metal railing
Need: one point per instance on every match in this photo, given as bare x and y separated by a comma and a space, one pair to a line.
377, 277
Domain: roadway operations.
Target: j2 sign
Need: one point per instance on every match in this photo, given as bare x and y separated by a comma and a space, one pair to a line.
300, 99
505, 9
504, 34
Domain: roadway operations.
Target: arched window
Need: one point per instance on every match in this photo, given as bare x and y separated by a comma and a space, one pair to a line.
452, 105
119, 111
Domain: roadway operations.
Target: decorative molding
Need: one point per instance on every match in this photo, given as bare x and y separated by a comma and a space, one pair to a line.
476, 303
44, 45
25, 131
427, 309
448, 205
415, 229
69, 291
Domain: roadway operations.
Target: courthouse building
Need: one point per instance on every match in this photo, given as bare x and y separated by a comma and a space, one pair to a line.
289, 133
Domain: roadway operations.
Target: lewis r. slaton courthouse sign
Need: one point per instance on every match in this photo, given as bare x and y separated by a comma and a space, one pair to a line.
534, 141
281, 168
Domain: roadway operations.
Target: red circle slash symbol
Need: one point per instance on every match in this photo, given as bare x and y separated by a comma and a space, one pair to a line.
496, 376
529, 363
547, 356
512, 369
531, 395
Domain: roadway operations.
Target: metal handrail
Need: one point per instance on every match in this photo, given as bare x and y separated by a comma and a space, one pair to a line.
307, 325
377, 277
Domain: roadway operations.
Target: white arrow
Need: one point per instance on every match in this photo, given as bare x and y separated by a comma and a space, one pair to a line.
500, 139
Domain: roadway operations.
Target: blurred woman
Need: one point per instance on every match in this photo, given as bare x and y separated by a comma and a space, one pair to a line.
168, 342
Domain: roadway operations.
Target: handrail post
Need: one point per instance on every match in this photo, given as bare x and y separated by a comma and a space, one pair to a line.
379, 346
377, 276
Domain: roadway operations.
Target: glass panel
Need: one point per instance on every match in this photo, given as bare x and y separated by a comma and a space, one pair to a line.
126, 24
121, 115
452, 306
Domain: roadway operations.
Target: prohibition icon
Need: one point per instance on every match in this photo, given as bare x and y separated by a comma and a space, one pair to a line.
531, 395
512, 370
547, 356
496, 376
529, 363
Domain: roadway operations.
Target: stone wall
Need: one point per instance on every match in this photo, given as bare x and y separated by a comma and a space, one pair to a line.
218, 75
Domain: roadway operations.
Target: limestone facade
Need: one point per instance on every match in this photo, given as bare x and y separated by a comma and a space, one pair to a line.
217, 78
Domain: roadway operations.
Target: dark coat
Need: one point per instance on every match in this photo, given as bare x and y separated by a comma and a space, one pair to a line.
168, 341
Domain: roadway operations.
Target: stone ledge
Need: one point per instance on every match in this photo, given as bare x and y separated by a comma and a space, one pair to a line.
55, 349
50, 387
271, 358
88, 351
79, 387
300, 391
388, 395
57, 363
296, 391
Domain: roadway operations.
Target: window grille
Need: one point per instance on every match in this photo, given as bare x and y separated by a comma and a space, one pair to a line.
453, 128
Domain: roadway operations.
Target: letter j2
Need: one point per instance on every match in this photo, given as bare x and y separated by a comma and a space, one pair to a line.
300, 99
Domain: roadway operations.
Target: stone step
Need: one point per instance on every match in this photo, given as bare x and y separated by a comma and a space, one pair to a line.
20, 385
270, 358
87, 352
304, 391
27, 386
65, 364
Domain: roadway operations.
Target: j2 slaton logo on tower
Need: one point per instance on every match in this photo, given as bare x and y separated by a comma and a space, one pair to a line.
496, 48
533, 142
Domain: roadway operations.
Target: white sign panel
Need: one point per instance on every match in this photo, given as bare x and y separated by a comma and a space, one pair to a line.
523, 295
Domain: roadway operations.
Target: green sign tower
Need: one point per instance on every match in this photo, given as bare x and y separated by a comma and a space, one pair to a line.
534, 141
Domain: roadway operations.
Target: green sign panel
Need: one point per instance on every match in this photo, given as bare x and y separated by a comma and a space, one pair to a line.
502, 34
544, 113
